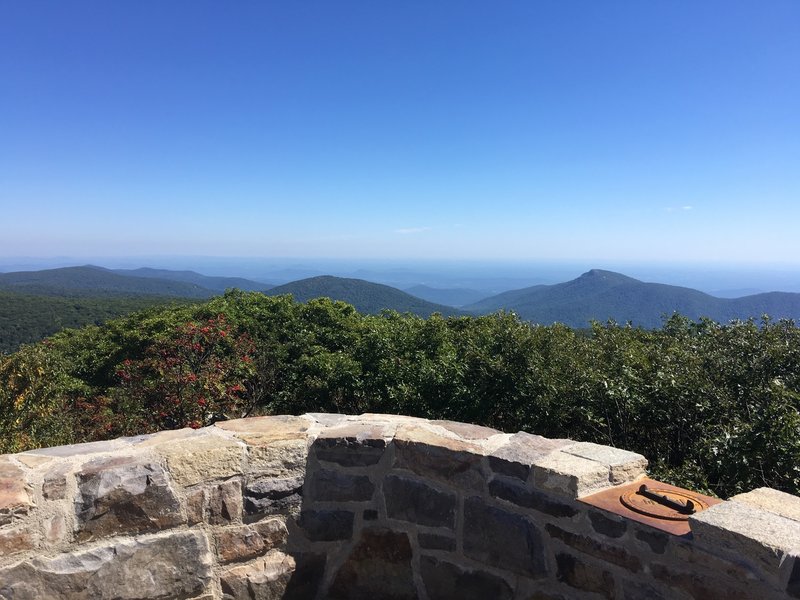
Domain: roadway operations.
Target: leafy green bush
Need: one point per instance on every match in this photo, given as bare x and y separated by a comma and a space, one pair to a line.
714, 407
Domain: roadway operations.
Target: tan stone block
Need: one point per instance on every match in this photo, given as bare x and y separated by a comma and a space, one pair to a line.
262, 579
327, 419
162, 437
518, 452
8, 469
171, 566
15, 493
467, 431
54, 486
283, 427
426, 434
204, 458
353, 444
754, 534
101, 447
431, 454
373, 418
624, 466
277, 458
359, 432
16, 540
33, 461
195, 506
249, 541
224, 503
55, 529
569, 475
779, 503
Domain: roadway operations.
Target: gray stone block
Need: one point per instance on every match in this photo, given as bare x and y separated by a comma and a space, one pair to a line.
617, 555
272, 495
434, 541
502, 539
417, 502
445, 581
332, 486
606, 525
327, 525
583, 576
520, 495
378, 567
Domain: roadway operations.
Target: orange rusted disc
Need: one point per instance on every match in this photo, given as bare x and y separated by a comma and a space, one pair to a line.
634, 500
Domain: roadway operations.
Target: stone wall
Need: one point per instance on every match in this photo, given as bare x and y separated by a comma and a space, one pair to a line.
374, 506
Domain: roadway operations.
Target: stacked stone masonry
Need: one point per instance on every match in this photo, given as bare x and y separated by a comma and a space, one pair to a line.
370, 506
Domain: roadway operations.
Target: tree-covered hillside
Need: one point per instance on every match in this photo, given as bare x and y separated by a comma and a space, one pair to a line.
96, 281
26, 318
602, 295
713, 407
365, 296
217, 284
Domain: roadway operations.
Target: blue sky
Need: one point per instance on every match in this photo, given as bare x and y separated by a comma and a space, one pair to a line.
600, 131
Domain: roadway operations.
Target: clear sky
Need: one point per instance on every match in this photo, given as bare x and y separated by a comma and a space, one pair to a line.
660, 130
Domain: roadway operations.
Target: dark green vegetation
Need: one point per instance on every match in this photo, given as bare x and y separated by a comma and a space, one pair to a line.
601, 295
35, 304
96, 281
26, 318
367, 297
714, 407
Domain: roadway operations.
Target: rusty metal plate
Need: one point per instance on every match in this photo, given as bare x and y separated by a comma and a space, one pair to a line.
660, 505
675, 506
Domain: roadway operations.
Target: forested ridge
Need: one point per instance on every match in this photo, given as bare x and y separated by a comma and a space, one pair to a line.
26, 318
712, 406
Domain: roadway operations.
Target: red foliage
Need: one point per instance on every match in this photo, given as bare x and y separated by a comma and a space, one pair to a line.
190, 378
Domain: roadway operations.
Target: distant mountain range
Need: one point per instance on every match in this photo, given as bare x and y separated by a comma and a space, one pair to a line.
601, 295
367, 297
95, 281
595, 295
450, 296
217, 284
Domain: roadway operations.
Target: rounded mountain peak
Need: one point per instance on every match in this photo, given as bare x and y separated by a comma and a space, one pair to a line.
600, 275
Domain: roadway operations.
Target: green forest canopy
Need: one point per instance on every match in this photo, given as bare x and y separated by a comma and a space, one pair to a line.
713, 406
26, 318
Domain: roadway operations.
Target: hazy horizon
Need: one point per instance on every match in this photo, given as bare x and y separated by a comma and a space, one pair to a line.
542, 132
732, 279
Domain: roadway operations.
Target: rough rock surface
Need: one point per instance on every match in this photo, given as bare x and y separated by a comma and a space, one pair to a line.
166, 566
124, 495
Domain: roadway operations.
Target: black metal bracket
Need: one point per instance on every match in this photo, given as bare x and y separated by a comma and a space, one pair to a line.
684, 509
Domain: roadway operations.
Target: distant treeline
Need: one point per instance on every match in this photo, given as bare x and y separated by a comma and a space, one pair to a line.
27, 318
713, 406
